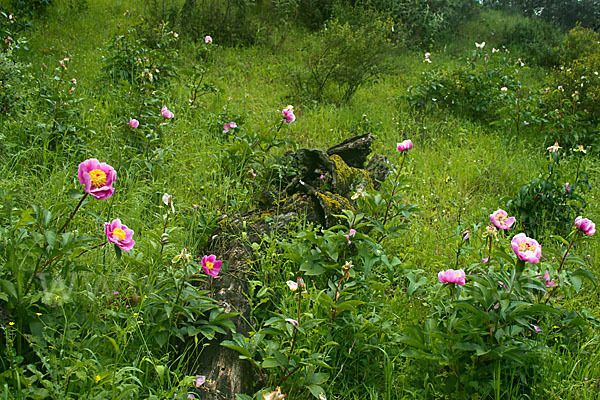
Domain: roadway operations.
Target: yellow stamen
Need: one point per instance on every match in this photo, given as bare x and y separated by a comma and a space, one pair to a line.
98, 178
120, 233
526, 246
209, 265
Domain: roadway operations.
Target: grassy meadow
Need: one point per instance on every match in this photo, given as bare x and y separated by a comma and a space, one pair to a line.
83, 317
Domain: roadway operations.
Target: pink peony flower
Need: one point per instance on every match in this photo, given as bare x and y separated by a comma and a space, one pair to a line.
97, 177
207, 39
211, 265
501, 220
166, 113
405, 145
585, 225
452, 276
350, 234
199, 381
119, 234
536, 328
526, 249
546, 277
288, 114
229, 125
567, 187
291, 321
134, 123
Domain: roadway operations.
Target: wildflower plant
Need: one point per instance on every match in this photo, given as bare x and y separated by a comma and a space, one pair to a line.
324, 303
548, 203
385, 208
493, 318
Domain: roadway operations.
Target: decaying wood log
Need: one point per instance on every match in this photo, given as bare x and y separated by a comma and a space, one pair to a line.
321, 189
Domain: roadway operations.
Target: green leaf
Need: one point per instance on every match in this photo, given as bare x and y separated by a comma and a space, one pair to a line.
231, 345
47, 218
74, 194
310, 268
160, 371
271, 363
117, 251
466, 346
9, 288
242, 397
50, 239
539, 308
349, 305
560, 239
317, 379
114, 343
584, 274
413, 336
576, 282
281, 358
316, 390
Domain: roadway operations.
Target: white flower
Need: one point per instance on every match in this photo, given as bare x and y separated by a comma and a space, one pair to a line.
360, 192
504, 88
168, 200
292, 285
479, 45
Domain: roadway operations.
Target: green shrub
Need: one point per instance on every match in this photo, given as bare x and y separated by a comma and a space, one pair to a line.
424, 21
472, 90
536, 40
551, 202
566, 13
132, 61
12, 72
229, 22
30, 7
341, 59
579, 43
571, 103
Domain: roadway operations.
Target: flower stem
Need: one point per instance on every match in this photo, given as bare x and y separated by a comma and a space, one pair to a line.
389, 203
91, 248
162, 237
295, 329
335, 299
285, 373
73, 214
562, 262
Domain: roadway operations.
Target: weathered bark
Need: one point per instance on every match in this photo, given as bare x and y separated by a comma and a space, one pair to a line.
354, 151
